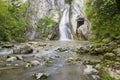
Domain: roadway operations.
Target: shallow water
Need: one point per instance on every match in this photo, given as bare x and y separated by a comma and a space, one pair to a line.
58, 69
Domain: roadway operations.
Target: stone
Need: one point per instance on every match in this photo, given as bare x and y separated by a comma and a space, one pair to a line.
109, 56
7, 46
16, 65
70, 59
19, 57
28, 65
11, 59
62, 49
22, 50
77, 59
34, 63
40, 75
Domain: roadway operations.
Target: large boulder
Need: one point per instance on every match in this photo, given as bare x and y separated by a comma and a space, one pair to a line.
22, 50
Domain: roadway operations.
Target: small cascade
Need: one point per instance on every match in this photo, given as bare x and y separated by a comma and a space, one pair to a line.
64, 26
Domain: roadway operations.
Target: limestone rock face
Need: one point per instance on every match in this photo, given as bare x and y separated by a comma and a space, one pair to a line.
54, 9
80, 24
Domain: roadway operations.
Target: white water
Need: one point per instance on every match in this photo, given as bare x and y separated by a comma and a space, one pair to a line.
64, 27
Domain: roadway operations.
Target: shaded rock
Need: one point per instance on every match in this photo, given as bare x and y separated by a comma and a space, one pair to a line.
28, 65
109, 56
82, 50
22, 50
7, 46
61, 49
19, 57
42, 45
11, 59
93, 62
77, 59
34, 63
40, 75
117, 52
49, 60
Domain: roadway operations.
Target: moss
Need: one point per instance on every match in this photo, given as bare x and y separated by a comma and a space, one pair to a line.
105, 76
12, 22
68, 1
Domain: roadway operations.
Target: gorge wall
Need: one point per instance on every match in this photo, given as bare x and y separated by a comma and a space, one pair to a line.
48, 13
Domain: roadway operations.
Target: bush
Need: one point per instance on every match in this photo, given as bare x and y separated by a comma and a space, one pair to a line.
12, 22
105, 17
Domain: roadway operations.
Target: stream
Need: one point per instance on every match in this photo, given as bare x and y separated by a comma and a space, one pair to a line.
59, 65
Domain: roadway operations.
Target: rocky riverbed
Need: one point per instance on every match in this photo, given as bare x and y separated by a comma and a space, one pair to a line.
58, 60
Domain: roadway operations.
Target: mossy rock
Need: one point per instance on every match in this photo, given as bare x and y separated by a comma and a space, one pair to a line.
70, 59
109, 56
62, 49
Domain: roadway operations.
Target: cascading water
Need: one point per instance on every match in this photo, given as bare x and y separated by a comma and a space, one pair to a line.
64, 26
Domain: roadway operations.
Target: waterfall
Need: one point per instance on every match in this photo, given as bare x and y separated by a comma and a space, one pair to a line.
64, 26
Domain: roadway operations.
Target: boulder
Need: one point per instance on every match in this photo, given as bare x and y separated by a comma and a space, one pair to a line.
109, 56
7, 46
19, 57
22, 50
11, 59
34, 63
117, 51
40, 76
62, 49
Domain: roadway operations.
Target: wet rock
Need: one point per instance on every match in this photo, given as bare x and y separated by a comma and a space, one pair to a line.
40, 75
70, 59
109, 56
49, 60
28, 65
34, 63
77, 59
22, 50
8, 64
7, 46
82, 50
61, 49
16, 65
57, 56
86, 61
11, 59
19, 57
93, 62
42, 45
90, 70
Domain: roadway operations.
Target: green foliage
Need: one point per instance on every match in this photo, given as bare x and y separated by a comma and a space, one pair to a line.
105, 17
45, 23
105, 76
12, 22
68, 1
